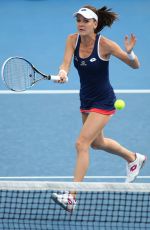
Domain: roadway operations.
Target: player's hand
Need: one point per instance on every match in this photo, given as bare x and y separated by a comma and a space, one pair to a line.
63, 77
129, 42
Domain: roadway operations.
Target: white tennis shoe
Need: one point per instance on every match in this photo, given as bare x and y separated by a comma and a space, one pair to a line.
134, 167
66, 201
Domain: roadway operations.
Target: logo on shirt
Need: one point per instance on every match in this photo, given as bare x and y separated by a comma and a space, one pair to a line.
93, 59
83, 63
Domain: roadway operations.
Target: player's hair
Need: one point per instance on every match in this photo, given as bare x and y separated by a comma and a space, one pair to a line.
105, 17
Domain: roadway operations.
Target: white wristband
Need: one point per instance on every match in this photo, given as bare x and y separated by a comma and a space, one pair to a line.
131, 55
63, 71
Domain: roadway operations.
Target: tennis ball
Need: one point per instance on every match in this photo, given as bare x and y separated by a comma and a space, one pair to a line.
119, 104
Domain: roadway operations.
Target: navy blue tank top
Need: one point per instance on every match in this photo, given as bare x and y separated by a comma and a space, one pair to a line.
95, 88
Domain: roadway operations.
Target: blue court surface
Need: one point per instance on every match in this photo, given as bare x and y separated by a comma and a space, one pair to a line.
38, 131
38, 128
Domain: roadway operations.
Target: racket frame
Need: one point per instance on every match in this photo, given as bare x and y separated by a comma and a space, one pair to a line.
35, 70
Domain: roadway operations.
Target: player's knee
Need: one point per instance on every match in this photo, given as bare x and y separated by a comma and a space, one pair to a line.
81, 144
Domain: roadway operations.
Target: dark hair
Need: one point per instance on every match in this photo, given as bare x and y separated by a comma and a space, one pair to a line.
105, 17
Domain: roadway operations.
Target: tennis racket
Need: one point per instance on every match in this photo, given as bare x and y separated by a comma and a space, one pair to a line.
19, 74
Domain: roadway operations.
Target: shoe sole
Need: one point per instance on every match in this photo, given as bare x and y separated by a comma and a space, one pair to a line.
143, 163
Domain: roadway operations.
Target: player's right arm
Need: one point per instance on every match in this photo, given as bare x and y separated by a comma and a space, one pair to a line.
68, 54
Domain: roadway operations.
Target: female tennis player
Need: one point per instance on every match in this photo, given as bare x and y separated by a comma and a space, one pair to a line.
92, 52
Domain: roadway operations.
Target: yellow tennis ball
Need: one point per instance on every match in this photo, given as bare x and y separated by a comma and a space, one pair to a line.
119, 104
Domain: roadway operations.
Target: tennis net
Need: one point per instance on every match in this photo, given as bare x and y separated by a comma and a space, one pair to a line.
28, 205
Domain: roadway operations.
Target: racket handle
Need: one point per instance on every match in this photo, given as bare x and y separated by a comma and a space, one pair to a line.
57, 78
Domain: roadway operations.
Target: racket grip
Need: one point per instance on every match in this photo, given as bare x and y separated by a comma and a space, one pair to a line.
57, 78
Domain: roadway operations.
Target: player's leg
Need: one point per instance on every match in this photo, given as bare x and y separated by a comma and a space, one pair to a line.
112, 146
92, 125
135, 160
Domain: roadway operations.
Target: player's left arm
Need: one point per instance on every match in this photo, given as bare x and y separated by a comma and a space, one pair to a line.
128, 55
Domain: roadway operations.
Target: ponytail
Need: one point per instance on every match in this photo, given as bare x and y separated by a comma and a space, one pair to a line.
105, 17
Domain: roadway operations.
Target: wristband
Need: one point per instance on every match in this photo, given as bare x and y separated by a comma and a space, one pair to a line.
63, 71
131, 55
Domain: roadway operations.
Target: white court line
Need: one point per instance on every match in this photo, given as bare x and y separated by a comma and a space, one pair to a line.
121, 91
71, 177
40, 92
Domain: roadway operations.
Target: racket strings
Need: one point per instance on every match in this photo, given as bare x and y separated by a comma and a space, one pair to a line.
18, 74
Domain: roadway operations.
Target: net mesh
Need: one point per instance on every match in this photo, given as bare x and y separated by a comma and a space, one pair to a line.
25, 205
